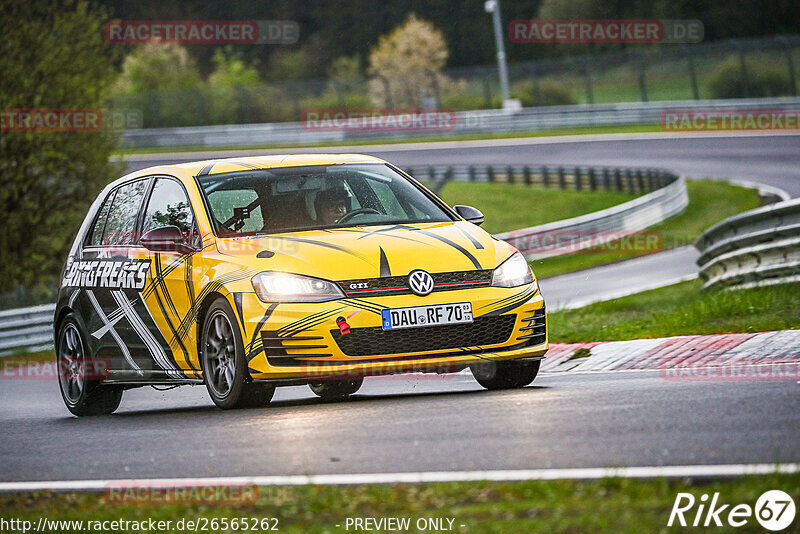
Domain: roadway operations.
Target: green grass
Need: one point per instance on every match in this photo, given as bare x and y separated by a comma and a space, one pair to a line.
617, 128
710, 201
514, 206
680, 309
609, 505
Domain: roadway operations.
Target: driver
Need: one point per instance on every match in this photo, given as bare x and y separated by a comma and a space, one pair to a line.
331, 205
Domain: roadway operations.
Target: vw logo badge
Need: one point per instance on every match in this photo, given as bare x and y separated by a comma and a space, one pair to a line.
420, 282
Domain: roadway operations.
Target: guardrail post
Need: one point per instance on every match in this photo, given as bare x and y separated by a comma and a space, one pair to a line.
639, 180
642, 75
490, 173
562, 183
629, 180
743, 66
588, 80
471, 171
789, 61
692, 74
526, 173
578, 184
510, 174
618, 179
431, 174
545, 176
592, 180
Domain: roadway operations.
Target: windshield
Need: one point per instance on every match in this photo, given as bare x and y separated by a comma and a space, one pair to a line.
292, 199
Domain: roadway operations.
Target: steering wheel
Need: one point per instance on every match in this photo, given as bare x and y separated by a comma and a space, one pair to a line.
360, 211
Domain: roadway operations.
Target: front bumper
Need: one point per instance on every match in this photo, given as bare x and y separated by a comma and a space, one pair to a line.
305, 340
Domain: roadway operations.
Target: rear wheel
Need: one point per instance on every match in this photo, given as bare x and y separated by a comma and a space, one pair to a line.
505, 375
335, 389
82, 393
225, 364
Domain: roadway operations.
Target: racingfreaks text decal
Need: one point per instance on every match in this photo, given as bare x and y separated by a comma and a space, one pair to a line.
125, 274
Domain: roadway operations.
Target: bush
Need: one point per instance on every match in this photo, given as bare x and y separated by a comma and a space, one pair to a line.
762, 81
550, 93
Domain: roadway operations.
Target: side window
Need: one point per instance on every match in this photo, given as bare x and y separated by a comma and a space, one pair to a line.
96, 235
387, 198
169, 206
223, 203
121, 222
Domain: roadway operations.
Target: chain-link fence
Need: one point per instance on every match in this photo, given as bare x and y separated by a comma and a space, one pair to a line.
727, 69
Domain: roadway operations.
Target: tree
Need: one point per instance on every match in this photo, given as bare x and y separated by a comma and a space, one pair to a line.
233, 89
161, 80
411, 58
52, 55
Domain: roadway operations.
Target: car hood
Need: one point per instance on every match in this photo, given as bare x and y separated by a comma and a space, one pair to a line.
371, 251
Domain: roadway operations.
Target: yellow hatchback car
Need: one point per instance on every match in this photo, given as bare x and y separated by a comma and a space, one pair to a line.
251, 273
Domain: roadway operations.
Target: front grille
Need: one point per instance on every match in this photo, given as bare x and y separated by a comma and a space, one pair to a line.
377, 341
398, 285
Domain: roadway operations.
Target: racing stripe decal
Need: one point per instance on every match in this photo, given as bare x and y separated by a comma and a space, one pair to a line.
256, 347
152, 344
321, 244
109, 322
205, 170
475, 242
237, 300
456, 246
309, 322
385, 269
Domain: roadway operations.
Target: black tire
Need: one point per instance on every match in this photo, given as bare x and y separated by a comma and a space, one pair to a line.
83, 396
224, 363
335, 389
505, 375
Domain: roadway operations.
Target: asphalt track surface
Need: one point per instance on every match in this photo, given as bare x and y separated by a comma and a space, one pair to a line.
429, 423
409, 424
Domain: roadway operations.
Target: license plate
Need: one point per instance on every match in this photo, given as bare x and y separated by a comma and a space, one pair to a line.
434, 315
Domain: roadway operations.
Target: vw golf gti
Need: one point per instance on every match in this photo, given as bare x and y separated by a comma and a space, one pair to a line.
251, 273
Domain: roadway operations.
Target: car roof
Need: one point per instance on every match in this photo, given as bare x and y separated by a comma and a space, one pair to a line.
218, 166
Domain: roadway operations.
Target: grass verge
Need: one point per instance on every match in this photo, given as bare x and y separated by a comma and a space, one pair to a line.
513, 206
710, 201
621, 128
680, 309
610, 505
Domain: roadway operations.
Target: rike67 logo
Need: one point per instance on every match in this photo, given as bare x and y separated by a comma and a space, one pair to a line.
774, 510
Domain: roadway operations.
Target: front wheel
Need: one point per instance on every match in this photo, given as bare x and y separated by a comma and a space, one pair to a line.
225, 364
335, 389
83, 394
505, 374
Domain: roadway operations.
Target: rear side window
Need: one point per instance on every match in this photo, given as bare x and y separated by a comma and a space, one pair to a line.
121, 220
169, 206
96, 237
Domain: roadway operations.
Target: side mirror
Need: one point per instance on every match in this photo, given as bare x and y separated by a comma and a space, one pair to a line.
469, 213
166, 239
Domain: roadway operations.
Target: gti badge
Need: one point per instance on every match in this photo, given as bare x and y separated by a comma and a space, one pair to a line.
420, 282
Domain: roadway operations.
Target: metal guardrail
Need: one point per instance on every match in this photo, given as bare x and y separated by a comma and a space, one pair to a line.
758, 247
664, 194
465, 122
26, 328
606, 225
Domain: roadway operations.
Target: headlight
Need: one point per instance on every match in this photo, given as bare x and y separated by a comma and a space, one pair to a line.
284, 287
513, 272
